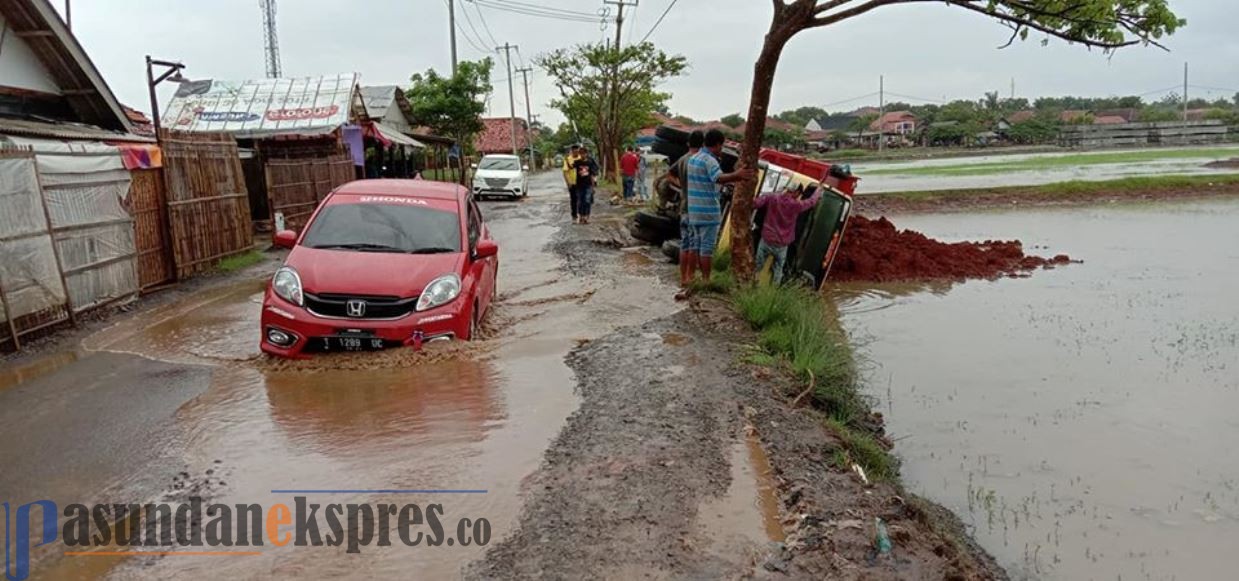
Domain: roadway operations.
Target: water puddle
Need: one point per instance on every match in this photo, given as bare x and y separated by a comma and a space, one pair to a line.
1080, 421
746, 518
19, 374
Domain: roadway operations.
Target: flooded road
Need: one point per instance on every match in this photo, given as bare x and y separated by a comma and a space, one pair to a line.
181, 394
1031, 169
1082, 421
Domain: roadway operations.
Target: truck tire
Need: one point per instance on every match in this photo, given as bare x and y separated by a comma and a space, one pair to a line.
671, 248
673, 151
667, 227
647, 235
671, 134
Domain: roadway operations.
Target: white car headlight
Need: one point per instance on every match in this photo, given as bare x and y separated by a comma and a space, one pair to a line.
440, 291
287, 285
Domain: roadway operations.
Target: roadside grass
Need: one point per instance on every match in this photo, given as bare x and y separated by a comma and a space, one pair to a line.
1059, 161
240, 261
1132, 185
799, 333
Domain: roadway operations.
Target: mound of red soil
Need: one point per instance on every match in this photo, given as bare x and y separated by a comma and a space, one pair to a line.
875, 250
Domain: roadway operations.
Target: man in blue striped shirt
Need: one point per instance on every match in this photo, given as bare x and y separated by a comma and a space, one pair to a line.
699, 225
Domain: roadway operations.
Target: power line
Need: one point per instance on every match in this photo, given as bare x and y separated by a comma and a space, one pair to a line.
660, 20
485, 26
476, 46
915, 98
540, 7
555, 14
481, 41
873, 94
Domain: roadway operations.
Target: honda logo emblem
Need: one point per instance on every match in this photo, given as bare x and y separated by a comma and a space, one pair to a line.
355, 308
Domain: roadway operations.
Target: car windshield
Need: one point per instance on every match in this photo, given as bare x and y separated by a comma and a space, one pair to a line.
500, 163
369, 227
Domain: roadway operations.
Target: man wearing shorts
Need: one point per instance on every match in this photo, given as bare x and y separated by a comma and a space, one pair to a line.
701, 222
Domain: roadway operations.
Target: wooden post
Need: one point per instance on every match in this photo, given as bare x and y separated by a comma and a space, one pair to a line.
8, 316
51, 233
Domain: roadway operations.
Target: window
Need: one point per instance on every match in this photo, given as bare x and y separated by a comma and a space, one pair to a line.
500, 163
385, 228
475, 224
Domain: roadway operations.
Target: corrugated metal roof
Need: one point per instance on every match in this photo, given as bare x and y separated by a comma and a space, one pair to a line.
264, 107
378, 99
65, 131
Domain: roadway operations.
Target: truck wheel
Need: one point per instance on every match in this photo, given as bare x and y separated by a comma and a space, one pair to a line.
671, 249
672, 135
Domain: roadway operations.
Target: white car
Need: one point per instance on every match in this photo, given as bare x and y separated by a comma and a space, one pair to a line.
500, 175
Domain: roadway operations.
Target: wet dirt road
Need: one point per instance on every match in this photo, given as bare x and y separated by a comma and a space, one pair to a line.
176, 401
1081, 421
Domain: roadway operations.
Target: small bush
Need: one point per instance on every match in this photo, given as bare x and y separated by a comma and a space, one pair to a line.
864, 450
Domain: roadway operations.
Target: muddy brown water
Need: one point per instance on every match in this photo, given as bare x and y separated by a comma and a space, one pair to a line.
474, 416
1081, 421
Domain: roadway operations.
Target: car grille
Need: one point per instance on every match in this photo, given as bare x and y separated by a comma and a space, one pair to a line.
376, 307
496, 182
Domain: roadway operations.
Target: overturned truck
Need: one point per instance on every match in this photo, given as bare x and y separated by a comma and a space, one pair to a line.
818, 232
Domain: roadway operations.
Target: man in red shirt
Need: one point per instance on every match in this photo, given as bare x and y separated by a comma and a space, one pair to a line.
628, 167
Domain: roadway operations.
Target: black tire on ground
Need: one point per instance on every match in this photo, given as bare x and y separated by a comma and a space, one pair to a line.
671, 249
668, 227
646, 235
673, 151
671, 134
729, 160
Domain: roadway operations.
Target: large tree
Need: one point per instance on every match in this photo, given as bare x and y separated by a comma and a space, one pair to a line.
452, 106
1106, 24
610, 93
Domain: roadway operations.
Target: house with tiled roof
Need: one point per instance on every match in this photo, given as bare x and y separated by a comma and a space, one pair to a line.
496, 136
895, 122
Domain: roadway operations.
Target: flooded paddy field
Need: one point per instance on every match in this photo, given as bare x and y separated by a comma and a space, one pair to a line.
990, 171
1080, 421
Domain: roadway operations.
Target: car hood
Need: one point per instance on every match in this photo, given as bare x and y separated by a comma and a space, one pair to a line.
497, 173
370, 273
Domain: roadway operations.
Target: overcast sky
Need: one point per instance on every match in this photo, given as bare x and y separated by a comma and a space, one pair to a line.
927, 53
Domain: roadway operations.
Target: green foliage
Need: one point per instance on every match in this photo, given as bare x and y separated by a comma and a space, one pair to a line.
801, 115
733, 121
1158, 113
860, 447
782, 139
1033, 131
452, 106
610, 93
793, 323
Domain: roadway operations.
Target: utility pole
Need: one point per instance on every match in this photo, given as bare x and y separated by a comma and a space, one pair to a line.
451, 28
881, 110
507, 56
528, 114
619, 18
1012, 88
1184, 93
69, 15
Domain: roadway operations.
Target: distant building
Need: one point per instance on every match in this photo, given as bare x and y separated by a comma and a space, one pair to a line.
1108, 120
496, 136
1021, 116
830, 123
896, 123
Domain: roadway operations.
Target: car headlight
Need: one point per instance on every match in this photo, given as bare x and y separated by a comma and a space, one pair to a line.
287, 285
440, 291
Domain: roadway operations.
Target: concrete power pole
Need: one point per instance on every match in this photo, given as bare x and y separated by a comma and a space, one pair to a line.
881, 110
1184, 93
528, 115
619, 18
451, 29
507, 56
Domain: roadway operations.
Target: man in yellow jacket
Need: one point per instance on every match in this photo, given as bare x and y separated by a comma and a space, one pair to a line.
570, 176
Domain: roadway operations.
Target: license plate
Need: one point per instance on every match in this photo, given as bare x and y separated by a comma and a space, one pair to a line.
351, 343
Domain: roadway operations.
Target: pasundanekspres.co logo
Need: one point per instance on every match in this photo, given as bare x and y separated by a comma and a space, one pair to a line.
197, 528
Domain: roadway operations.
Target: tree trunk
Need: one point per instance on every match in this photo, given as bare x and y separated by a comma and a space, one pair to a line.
759, 104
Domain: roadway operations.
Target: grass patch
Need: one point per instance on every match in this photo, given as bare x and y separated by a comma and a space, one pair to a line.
794, 326
1060, 161
863, 449
240, 261
1129, 185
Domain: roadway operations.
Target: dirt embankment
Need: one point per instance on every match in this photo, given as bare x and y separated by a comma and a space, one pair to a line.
629, 487
877, 251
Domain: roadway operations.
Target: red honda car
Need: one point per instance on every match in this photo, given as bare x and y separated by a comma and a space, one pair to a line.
382, 263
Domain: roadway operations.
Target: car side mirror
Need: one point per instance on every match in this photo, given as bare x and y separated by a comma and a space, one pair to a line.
525, 168
285, 238
486, 249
